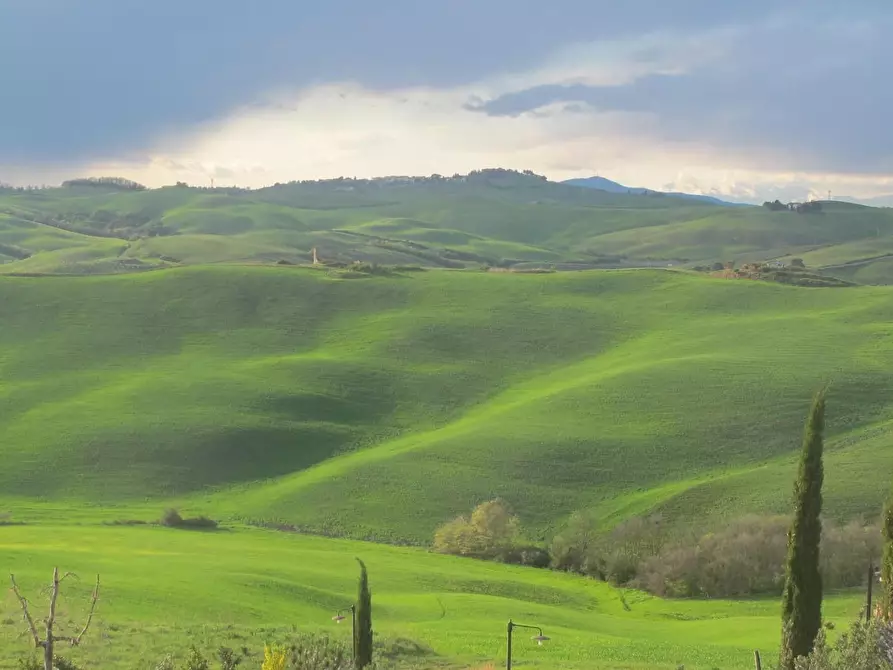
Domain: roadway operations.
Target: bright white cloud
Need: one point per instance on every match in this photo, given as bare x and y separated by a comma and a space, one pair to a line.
345, 129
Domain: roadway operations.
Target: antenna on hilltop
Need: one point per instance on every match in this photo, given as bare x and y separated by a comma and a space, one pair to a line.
829, 195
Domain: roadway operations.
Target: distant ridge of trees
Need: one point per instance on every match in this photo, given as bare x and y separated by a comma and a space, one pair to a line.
493, 176
487, 175
811, 207
119, 183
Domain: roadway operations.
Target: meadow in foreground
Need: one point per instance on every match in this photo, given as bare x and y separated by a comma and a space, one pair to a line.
165, 589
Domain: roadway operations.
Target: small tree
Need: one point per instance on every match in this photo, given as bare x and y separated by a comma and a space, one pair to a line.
491, 532
802, 597
570, 548
48, 643
363, 641
495, 525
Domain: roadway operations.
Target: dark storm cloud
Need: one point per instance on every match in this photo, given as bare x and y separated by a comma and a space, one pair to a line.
810, 94
82, 79
91, 78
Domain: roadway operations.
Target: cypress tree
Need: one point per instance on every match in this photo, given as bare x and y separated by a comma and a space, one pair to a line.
887, 564
802, 598
363, 640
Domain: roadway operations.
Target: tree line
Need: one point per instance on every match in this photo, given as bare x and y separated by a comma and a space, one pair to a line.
811, 207
118, 183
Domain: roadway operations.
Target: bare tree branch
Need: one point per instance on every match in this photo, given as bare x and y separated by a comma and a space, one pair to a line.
24, 604
77, 640
54, 596
48, 643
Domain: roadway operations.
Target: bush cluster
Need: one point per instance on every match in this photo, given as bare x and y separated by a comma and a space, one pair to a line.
492, 532
302, 652
172, 519
864, 647
745, 557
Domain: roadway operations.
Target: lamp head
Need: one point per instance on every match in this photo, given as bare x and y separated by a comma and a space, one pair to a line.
540, 639
338, 618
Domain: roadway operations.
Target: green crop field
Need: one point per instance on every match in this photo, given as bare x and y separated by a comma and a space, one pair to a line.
190, 359
380, 407
163, 590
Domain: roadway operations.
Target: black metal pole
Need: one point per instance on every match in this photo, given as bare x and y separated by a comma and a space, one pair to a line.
508, 653
868, 599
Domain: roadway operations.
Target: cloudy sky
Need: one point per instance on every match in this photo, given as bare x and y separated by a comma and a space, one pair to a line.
748, 99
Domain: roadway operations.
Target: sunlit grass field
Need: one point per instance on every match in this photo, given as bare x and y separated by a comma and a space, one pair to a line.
379, 408
489, 220
165, 589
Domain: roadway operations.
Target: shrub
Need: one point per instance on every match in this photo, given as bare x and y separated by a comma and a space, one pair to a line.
846, 552
166, 663
862, 648
570, 548
490, 532
228, 658
172, 519
531, 556
274, 658
61, 663
745, 557
369, 268
318, 653
615, 556
195, 661
199, 522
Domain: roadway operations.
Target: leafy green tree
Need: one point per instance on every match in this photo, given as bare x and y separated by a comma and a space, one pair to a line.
363, 641
802, 597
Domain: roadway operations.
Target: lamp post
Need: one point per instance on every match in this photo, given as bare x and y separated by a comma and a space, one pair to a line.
339, 617
873, 574
540, 638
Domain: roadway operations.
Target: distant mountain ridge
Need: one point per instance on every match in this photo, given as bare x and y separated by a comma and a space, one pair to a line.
603, 184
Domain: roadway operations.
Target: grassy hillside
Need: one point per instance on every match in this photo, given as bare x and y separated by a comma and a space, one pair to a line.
488, 217
267, 585
380, 407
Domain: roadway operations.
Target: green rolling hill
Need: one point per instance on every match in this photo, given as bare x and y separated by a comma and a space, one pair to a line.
189, 357
379, 407
491, 217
